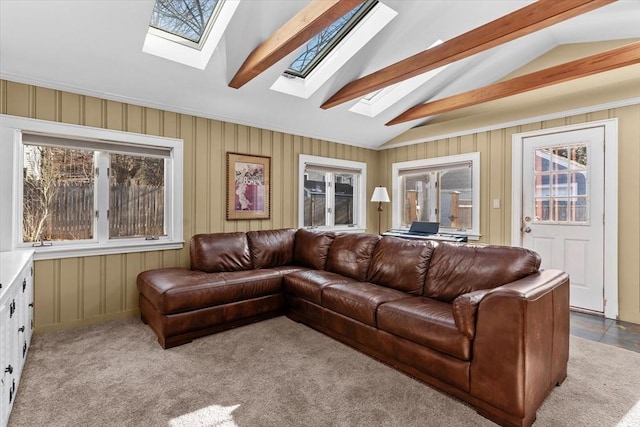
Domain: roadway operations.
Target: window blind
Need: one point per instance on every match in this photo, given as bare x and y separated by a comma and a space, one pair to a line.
94, 145
308, 167
436, 168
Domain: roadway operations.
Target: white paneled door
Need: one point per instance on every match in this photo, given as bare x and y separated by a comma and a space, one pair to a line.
563, 208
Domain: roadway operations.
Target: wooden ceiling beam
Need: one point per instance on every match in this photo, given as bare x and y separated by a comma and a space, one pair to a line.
616, 58
298, 30
521, 22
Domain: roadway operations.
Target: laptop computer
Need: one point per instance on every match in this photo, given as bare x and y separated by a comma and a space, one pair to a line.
423, 228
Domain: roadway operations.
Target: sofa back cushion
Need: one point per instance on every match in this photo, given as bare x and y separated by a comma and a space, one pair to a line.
350, 255
400, 264
458, 269
271, 248
217, 252
311, 248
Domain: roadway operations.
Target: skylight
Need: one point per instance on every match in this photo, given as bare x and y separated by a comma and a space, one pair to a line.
188, 20
323, 42
373, 17
378, 101
188, 31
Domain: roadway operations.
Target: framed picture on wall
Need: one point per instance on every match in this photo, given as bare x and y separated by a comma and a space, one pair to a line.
248, 186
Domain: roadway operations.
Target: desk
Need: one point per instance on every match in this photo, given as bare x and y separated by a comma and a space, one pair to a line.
438, 237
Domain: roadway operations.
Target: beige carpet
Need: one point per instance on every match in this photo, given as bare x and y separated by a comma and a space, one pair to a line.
277, 373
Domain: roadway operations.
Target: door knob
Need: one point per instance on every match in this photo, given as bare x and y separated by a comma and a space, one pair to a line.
526, 229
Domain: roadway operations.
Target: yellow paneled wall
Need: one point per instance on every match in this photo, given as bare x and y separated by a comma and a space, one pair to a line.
74, 291
495, 181
81, 290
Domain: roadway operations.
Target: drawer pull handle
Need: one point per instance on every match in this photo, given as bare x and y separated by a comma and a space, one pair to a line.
9, 369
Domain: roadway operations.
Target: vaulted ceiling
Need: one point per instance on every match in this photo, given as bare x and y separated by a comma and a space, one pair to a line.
95, 48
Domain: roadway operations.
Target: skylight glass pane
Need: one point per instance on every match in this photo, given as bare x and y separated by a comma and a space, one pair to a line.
322, 43
187, 19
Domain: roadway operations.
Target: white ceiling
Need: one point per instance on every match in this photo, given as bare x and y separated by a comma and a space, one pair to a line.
94, 47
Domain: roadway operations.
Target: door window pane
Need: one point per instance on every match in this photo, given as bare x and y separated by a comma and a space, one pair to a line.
136, 196
58, 187
542, 160
562, 194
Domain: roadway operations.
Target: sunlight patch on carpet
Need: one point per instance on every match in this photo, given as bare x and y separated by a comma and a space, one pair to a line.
211, 416
631, 418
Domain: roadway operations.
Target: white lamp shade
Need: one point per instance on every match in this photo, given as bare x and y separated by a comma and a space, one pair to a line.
380, 195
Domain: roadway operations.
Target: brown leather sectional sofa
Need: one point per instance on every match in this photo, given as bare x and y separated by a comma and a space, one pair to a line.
479, 322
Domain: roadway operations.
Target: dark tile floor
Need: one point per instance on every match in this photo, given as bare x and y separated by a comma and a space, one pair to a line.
607, 331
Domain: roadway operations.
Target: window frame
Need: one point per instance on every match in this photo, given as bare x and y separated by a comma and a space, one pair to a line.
363, 9
177, 38
374, 103
182, 51
333, 165
445, 161
11, 132
362, 33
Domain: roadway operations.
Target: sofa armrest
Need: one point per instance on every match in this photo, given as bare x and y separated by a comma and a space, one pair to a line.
521, 345
533, 286
465, 308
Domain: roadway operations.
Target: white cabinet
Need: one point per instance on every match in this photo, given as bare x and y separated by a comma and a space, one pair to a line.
16, 323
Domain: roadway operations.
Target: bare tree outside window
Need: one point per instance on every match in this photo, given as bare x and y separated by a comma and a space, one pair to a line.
59, 186
136, 196
184, 18
52, 177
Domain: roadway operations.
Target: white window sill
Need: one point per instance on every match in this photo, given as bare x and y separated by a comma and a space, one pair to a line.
468, 234
339, 229
93, 249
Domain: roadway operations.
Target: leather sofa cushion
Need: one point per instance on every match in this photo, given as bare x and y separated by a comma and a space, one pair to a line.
427, 322
400, 264
358, 300
217, 252
308, 285
459, 269
350, 254
271, 248
311, 248
174, 290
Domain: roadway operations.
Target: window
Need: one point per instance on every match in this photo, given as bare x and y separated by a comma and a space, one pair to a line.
84, 191
322, 43
188, 31
378, 101
443, 189
329, 50
185, 21
332, 193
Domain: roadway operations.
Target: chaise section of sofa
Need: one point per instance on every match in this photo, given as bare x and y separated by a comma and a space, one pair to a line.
221, 289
